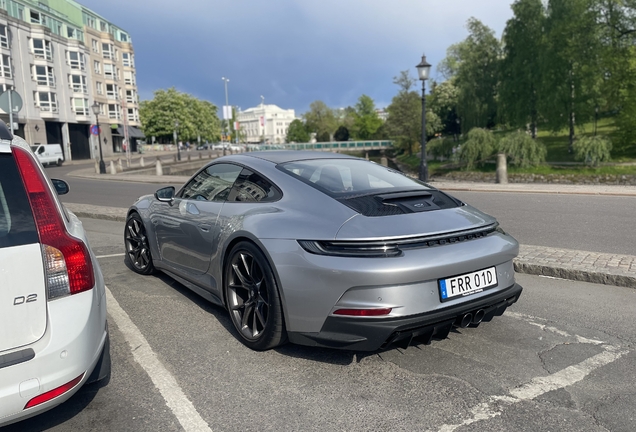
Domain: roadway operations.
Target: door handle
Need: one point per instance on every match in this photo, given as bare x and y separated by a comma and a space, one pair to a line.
205, 228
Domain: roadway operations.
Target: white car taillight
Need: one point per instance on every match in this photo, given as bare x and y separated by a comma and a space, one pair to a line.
68, 265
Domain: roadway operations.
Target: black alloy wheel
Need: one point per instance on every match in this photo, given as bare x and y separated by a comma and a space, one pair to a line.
137, 248
252, 298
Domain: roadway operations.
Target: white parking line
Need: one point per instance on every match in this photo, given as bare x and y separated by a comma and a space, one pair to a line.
110, 256
541, 385
176, 400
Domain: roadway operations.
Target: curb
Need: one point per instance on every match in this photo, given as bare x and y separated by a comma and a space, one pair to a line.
522, 264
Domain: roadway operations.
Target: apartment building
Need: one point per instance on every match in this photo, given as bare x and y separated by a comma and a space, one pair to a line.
265, 123
61, 58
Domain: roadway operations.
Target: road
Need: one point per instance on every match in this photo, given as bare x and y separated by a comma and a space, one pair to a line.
581, 222
562, 358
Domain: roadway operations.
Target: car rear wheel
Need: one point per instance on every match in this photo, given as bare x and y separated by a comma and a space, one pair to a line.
253, 299
137, 248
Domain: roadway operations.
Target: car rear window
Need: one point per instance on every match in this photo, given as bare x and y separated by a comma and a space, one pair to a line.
369, 188
17, 226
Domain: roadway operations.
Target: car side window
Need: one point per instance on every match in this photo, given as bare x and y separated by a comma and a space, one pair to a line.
252, 187
212, 183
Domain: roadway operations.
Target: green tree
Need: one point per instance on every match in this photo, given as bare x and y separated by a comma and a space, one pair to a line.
570, 64
321, 119
523, 42
195, 117
443, 102
367, 121
404, 124
297, 132
522, 150
480, 145
342, 134
474, 65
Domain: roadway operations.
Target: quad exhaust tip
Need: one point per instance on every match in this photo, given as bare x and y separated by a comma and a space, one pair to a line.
470, 319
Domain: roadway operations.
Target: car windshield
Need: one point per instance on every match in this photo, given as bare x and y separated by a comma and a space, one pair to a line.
350, 177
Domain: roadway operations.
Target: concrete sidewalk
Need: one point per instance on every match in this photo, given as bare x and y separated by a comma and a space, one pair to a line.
601, 268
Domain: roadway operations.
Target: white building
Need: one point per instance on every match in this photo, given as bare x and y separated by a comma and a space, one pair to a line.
61, 57
265, 123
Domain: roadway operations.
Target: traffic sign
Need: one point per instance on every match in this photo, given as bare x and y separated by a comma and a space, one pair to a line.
95, 130
10, 97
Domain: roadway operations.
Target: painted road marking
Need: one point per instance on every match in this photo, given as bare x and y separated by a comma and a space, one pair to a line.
541, 385
111, 256
175, 399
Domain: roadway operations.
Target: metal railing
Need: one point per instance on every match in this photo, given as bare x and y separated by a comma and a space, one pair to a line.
330, 146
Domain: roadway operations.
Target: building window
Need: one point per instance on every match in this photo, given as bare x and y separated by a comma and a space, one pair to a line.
16, 10
46, 101
78, 83
103, 26
95, 45
42, 49
111, 91
100, 87
113, 112
109, 51
80, 106
55, 25
5, 66
90, 21
4, 37
43, 75
97, 67
133, 115
123, 37
36, 18
131, 97
110, 71
76, 60
129, 78
127, 59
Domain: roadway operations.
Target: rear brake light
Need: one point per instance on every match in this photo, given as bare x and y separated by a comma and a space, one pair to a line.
45, 397
363, 312
68, 265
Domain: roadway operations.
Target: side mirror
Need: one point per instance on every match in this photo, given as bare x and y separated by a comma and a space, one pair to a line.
61, 187
165, 194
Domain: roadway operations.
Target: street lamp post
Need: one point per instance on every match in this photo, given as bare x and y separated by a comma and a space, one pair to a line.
102, 165
174, 136
225, 114
423, 71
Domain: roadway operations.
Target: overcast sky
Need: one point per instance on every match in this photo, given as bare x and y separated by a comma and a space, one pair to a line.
292, 52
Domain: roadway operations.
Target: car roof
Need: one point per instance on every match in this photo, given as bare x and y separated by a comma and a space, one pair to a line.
282, 156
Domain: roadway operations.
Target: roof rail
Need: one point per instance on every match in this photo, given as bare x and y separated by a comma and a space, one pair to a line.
5, 133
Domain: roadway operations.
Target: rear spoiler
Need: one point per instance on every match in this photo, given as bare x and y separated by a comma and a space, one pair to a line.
5, 133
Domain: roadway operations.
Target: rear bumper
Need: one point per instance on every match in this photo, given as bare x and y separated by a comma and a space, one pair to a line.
72, 345
372, 334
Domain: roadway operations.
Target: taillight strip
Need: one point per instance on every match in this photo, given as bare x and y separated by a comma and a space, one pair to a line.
51, 228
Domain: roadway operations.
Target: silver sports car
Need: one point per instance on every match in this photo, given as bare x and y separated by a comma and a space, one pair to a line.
325, 250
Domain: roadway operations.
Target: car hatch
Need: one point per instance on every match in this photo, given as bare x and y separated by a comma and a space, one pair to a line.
23, 306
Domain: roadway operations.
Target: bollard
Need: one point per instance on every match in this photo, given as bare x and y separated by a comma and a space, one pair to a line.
96, 166
502, 169
384, 161
200, 156
141, 162
366, 155
174, 159
159, 168
113, 169
120, 167
189, 159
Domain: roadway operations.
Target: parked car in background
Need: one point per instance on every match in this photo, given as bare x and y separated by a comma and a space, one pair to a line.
325, 250
53, 330
205, 146
49, 153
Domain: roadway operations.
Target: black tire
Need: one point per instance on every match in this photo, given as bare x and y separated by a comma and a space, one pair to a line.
252, 298
138, 256
59, 162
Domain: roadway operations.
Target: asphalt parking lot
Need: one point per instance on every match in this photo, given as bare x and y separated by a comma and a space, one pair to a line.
562, 358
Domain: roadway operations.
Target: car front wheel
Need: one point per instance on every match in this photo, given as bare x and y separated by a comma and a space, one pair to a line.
138, 255
252, 298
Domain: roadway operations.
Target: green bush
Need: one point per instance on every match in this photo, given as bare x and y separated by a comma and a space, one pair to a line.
441, 148
480, 145
592, 150
522, 150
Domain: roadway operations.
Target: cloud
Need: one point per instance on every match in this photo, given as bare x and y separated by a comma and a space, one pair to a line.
291, 51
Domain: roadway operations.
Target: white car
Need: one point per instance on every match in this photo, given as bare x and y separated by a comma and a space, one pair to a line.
49, 153
53, 330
